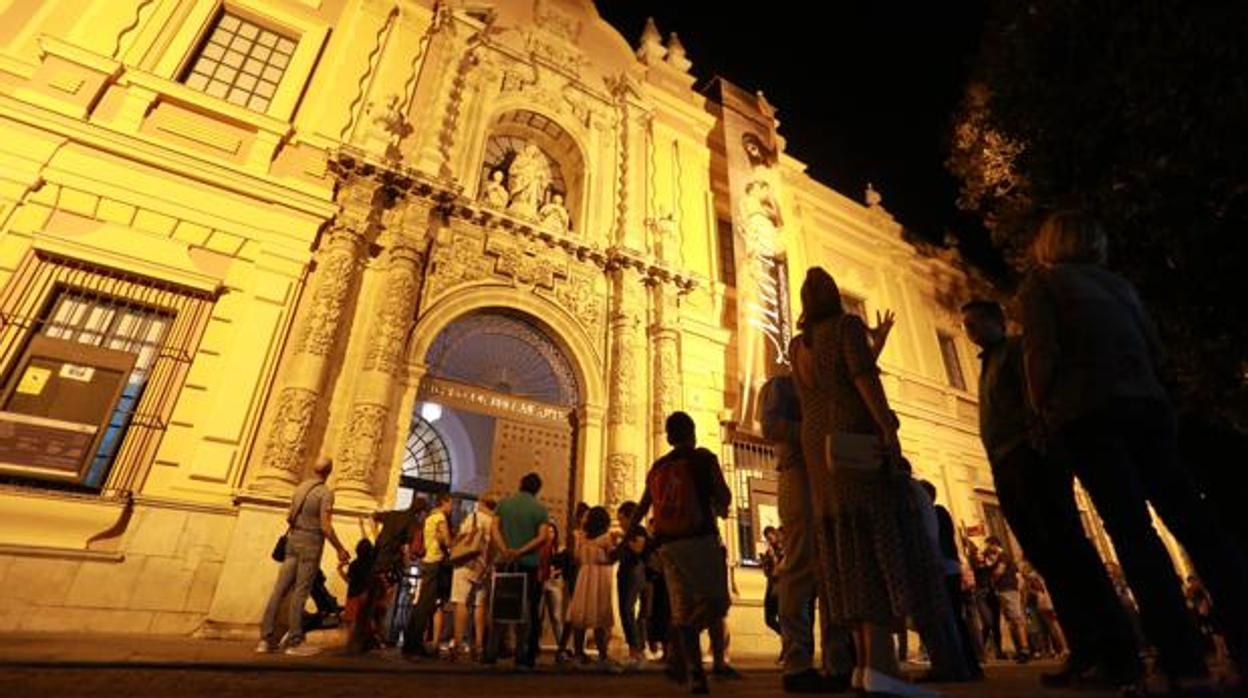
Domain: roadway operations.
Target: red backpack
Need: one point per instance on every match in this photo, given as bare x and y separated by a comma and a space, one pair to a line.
416, 543
679, 507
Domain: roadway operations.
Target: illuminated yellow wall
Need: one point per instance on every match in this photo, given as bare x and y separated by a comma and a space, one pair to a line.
325, 299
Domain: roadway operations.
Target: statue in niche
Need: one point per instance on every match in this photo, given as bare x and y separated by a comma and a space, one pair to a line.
554, 214
528, 179
495, 194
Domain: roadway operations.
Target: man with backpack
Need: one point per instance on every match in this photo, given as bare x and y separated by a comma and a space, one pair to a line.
686, 492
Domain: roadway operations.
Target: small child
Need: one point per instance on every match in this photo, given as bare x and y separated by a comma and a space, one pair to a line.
357, 575
592, 607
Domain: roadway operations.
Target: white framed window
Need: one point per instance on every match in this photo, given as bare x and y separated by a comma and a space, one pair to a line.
953, 363
240, 62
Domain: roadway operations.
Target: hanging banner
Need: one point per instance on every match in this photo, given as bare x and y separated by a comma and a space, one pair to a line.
764, 319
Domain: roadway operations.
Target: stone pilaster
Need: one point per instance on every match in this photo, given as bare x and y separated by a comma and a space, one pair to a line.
284, 455
625, 430
360, 462
664, 337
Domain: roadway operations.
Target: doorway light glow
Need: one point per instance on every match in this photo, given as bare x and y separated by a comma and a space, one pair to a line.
431, 412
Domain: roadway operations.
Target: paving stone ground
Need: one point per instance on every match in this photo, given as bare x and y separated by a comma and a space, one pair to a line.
141, 666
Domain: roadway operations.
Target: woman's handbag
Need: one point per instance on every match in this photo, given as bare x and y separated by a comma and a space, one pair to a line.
468, 546
279, 549
845, 450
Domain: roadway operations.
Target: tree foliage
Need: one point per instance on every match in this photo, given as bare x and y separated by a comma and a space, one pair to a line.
1135, 110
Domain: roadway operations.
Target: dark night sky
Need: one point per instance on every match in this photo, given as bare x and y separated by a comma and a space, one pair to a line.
865, 90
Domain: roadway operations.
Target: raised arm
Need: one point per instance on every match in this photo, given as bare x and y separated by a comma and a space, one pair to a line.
860, 361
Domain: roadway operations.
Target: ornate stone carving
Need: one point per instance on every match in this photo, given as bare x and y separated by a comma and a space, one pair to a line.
667, 383
623, 406
397, 311
333, 282
625, 321
360, 445
288, 437
620, 473
463, 260
551, 49
666, 378
577, 296
523, 262
557, 23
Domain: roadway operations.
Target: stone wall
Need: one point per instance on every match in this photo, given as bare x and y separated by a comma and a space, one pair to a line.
161, 579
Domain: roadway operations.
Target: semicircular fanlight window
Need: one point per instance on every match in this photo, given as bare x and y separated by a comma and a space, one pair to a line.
505, 353
425, 456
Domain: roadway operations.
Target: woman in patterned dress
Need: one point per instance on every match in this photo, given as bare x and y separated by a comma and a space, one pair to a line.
849, 439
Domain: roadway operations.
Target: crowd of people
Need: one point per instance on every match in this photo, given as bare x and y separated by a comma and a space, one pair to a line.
1077, 394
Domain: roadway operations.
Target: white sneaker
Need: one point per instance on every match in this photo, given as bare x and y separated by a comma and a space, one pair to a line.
855, 679
877, 682
302, 649
266, 647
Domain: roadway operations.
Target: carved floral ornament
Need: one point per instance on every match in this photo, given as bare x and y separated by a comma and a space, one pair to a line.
361, 443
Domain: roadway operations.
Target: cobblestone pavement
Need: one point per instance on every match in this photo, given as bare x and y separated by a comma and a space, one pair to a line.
139, 666
137, 682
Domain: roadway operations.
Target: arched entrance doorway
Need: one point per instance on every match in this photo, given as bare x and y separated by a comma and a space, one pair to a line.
499, 398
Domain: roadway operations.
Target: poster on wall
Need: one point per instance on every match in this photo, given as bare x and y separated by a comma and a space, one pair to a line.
764, 318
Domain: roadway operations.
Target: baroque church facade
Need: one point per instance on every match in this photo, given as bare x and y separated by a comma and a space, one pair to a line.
442, 243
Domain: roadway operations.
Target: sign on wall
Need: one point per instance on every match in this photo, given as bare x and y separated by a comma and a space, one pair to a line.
764, 319
57, 405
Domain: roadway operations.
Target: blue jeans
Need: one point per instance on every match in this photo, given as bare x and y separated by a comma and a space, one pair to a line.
629, 583
303, 558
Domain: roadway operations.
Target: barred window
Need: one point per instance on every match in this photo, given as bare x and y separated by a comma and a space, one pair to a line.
240, 62
93, 362
754, 466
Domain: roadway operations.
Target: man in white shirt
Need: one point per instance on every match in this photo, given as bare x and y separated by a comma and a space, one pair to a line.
468, 580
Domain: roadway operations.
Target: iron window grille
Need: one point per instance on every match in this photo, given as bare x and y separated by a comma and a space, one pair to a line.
751, 459
157, 321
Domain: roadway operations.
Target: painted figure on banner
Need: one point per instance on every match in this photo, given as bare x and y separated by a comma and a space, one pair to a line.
761, 288
528, 179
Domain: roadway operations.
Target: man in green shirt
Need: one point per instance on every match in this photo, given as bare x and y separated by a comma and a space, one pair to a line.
520, 530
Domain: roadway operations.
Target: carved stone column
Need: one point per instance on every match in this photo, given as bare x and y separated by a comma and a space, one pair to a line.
284, 455
625, 431
664, 336
360, 463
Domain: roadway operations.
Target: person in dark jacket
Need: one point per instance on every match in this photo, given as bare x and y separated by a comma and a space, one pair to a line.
1037, 498
1092, 359
952, 566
